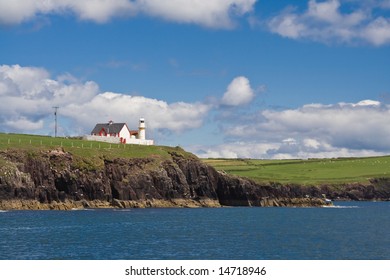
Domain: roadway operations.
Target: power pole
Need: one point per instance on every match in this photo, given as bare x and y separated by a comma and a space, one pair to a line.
55, 119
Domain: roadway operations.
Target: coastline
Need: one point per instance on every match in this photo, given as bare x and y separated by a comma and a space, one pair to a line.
60, 180
20, 204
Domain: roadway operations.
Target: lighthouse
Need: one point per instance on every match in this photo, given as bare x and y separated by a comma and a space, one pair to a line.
141, 129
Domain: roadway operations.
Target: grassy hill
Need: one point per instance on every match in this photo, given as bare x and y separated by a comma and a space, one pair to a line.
313, 171
87, 154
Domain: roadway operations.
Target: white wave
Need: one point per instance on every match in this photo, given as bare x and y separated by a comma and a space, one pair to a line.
339, 206
3, 211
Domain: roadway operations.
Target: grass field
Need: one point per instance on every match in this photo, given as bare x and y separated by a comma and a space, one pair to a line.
89, 155
313, 171
88, 150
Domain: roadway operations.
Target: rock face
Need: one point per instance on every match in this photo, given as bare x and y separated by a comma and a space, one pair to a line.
52, 180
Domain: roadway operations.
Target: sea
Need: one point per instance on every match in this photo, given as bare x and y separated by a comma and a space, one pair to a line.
346, 231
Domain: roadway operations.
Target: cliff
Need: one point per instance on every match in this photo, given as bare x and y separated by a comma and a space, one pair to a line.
58, 179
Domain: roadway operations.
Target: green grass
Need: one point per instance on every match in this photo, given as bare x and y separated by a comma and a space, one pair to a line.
87, 154
307, 172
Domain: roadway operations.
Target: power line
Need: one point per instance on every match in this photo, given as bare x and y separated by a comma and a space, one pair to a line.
55, 119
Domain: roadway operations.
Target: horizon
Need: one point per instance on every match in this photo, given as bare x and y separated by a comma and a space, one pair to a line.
222, 79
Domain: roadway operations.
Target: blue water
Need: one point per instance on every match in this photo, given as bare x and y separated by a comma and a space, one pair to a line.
353, 230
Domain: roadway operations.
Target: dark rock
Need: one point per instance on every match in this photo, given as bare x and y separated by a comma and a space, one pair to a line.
53, 178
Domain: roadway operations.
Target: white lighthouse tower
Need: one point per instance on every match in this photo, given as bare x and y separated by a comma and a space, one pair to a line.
141, 129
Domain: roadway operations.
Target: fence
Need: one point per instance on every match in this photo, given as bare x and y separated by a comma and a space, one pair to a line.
48, 142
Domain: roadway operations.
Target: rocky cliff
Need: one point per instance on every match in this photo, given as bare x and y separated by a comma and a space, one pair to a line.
56, 179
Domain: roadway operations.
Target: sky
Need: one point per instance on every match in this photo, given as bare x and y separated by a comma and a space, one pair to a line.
220, 78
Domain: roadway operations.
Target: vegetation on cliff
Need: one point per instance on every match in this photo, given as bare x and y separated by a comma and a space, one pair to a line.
334, 171
56, 173
83, 148
90, 154
86, 155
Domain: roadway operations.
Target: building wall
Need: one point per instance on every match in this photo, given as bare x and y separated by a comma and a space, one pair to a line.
140, 142
117, 140
107, 139
125, 133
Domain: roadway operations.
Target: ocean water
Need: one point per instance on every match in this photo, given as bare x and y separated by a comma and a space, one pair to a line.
351, 230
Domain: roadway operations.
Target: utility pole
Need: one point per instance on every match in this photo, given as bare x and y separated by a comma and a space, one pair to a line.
55, 119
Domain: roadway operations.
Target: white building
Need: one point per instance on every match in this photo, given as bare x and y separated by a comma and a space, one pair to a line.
120, 133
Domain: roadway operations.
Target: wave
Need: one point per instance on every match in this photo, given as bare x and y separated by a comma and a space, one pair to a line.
3, 211
340, 206
82, 209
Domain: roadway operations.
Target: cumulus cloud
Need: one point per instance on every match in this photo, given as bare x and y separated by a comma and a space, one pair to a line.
28, 95
287, 25
324, 21
159, 114
313, 130
17, 11
234, 150
24, 124
280, 150
239, 92
211, 13
378, 31
341, 125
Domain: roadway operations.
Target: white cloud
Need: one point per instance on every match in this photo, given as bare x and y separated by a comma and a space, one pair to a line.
239, 92
159, 114
12, 12
211, 13
234, 150
17, 11
378, 31
326, 11
287, 25
97, 10
349, 125
313, 130
28, 95
22, 79
24, 124
324, 21
303, 149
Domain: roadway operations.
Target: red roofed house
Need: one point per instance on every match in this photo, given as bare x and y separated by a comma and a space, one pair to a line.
120, 133
111, 129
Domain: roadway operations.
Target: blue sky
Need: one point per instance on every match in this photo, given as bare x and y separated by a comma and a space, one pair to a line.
222, 78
